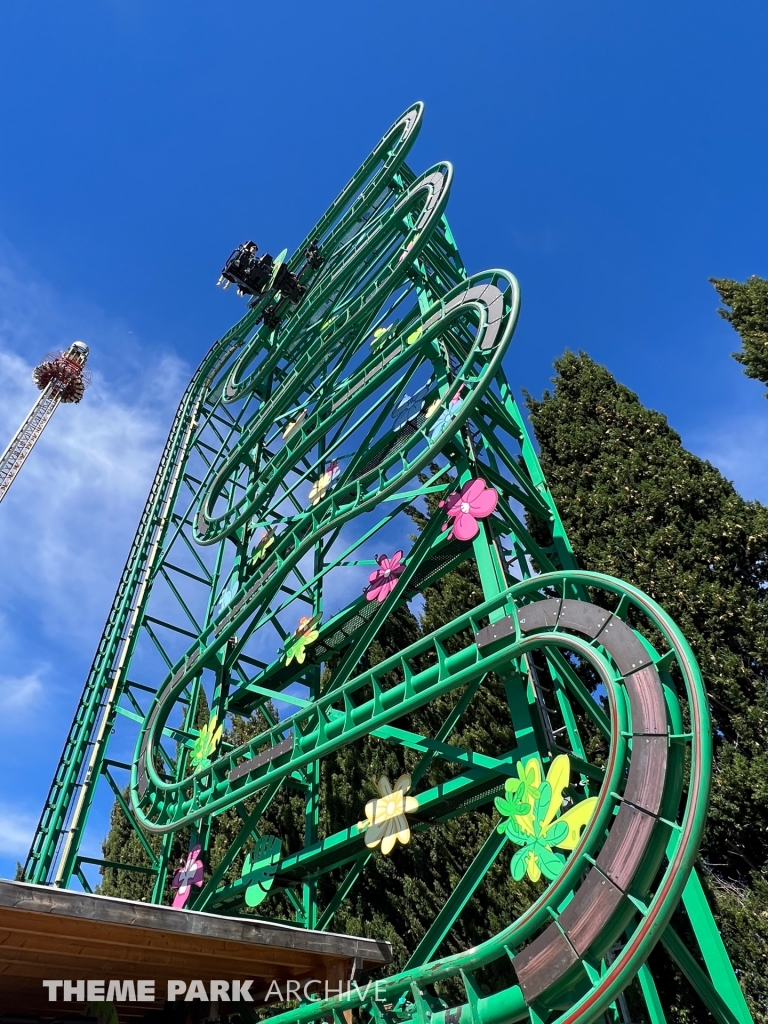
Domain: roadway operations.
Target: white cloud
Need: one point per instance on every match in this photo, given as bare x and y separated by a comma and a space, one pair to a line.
738, 448
20, 693
67, 521
16, 828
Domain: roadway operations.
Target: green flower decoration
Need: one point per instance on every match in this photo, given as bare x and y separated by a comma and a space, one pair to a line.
262, 546
522, 791
529, 818
379, 336
259, 869
305, 634
206, 743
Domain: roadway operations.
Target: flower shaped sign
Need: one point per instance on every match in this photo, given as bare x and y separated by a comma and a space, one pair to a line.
529, 818
522, 791
476, 500
259, 869
226, 596
407, 248
306, 634
406, 409
446, 416
409, 407
261, 547
324, 483
190, 873
206, 743
383, 580
379, 336
293, 425
385, 817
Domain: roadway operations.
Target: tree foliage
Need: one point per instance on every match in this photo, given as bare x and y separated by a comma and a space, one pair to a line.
746, 310
637, 505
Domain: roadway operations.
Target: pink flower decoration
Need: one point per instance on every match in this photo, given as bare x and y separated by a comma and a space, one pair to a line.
383, 580
475, 500
190, 873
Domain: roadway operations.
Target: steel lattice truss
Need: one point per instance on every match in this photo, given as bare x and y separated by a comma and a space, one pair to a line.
297, 453
60, 377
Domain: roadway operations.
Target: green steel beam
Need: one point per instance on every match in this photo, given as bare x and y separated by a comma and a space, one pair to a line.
265, 414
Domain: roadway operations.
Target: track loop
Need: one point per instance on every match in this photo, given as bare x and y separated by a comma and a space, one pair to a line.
162, 806
626, 875
356, 279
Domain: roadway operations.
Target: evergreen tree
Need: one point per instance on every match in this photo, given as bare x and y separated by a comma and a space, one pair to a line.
125, 843
124, 846
747, 313
637, 505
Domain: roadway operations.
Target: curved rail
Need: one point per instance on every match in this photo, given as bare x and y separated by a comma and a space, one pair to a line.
565, 980
67, 805
161, 806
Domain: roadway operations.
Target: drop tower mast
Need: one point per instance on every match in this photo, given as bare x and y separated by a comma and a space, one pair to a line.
60, 377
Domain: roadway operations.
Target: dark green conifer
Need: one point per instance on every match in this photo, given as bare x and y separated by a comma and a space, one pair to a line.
124, 844
637, 505
747, 312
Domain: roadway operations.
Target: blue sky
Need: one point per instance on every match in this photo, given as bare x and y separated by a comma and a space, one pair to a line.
611, 155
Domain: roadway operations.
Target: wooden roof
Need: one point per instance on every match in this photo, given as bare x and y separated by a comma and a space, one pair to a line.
48, 933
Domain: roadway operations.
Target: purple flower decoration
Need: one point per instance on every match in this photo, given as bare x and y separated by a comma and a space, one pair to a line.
383, 580
190, 873
476, 500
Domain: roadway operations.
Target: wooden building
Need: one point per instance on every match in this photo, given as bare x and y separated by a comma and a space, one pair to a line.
56, 934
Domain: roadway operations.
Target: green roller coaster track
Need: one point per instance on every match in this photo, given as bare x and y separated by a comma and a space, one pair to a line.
303, 444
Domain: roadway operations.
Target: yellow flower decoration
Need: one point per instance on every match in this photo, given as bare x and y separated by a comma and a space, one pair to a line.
378, 335
294, 425
322, 485
385, 818
306, 634
206, 743
259, 551
529, 818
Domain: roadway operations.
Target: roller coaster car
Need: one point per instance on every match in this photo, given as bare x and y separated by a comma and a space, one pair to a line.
251, 274
271, 318
313, 257
288, 284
